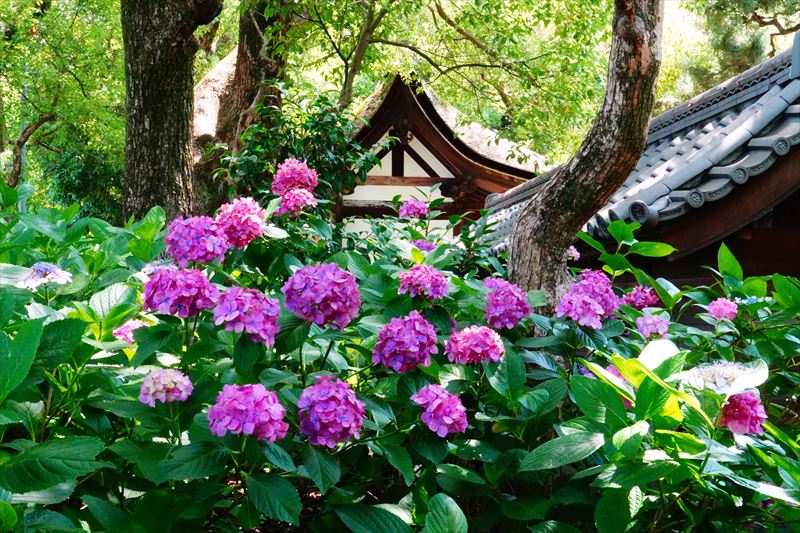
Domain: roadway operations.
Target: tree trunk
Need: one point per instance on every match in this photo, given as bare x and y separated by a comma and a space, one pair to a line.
159, 54
548, 223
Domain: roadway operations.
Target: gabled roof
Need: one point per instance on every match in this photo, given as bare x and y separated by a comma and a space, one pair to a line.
698, 152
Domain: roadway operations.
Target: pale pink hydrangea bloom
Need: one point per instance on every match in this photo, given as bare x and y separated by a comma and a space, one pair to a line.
414, 208
722, 308
241, 220
423, 280
744, 414
444, 413
251, 311
165, 385
475, 344
125, 331
572, 254
405, 343
294, 201
249, 410
293, 174
198, 239
330, 413
649, 325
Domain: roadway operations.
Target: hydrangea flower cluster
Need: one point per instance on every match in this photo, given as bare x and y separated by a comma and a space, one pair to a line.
323, 294
248, 409
444, 413
198, 239
723, 308
424, 246
475, 344
125, 331
165, 385
589, 300
744, 414
649, 325
44, 272
572, 254
405, 343
506, 304
414, 208
423, 280
724, 377
294, 201
293, 174
251, 311
179, 292
330, 413
640, 297
241, 221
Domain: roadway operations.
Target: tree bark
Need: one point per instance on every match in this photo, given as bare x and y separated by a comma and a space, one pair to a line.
548, 223
159, 54
18, 145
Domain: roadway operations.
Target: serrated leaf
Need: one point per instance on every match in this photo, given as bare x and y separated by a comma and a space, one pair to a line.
275, 497
115, 295
194, 461
8, 517
368, 519
320, 468
17, 356
727, 263
563, 451
278, 457
59, 340
444, 516
400, 459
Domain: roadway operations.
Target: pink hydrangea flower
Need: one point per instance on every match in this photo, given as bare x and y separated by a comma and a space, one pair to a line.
125, 331
179, 292
197, 239
293, 174
723, 308
589, 300
744, 414
506, 304
424, 246
405, 343
251, 311
444, 413
165, 385
249, 410
475, 344
423, 280
611, 369
330, 413
294, 201
649, 325
414, 209
640, 297
42, 273
323, 294
241, 221
572, 254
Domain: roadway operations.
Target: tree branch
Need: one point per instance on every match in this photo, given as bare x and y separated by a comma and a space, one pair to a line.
19, 144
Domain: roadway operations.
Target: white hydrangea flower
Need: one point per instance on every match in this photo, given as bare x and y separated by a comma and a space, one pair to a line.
724, 377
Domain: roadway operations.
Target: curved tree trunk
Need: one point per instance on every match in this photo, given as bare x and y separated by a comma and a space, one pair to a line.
548, 223
159, 55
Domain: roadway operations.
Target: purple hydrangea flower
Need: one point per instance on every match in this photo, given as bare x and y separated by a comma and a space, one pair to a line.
241, 221
444, 413
294, 201
250, 410
640, 297
125, 331
744, 414
475, 344
649, 325
293, 174
323, 294
197, 239
589, 300
330, 413
165, 385
424, 246
251, 311
572, 254
723, 308
179, 292
414, 209
44, 272
405, 343
423, 280
506, 304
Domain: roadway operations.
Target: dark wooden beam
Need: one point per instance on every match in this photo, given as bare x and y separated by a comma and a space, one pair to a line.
414, 181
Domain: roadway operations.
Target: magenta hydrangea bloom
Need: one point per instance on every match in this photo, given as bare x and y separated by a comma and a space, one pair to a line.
649, 325
197, 239
43, 273
241, 221
250, 410
723, 308
165, 385
294, 201
424, 246
405, 343
179, 292
572, 254
423, 280
330, 413
444, 413
323, 294
293, 174
251, 311
506, 304
744, 414
611, 369
125, 331
414, 209
474, 344
589, 300
640, 297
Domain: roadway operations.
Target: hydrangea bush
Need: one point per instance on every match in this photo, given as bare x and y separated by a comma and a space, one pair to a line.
151, 381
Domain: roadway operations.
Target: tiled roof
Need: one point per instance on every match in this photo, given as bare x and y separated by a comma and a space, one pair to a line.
696, 152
